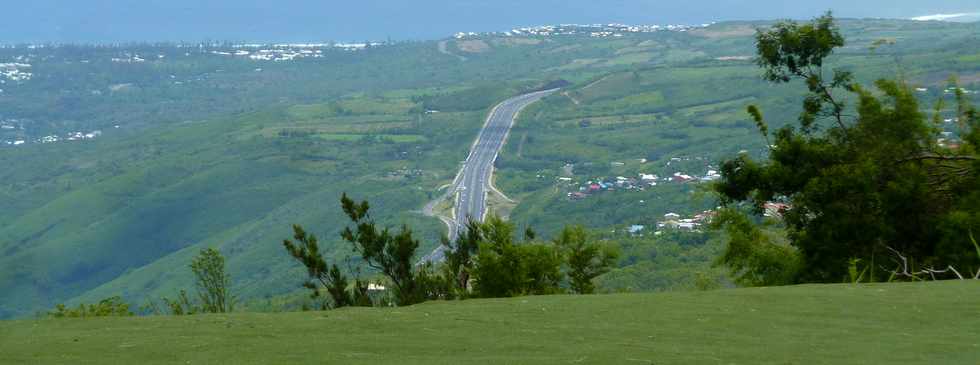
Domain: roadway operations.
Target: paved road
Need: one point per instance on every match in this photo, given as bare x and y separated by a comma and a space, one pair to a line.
473, 181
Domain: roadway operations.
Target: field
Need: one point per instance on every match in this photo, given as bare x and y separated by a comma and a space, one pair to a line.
814, 324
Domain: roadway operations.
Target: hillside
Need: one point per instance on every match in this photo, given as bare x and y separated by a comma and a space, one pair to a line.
932, 322
225, 151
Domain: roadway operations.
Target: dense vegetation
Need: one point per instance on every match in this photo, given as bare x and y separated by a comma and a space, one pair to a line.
212, 152
864, 183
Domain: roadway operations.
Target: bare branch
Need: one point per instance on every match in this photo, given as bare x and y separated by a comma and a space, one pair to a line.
904, 266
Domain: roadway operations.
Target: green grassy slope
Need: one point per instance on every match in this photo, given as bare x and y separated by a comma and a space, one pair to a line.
913, 323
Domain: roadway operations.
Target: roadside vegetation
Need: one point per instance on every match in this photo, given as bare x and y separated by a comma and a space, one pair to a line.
867, 188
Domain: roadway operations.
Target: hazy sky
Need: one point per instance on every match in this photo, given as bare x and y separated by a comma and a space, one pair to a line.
309, 20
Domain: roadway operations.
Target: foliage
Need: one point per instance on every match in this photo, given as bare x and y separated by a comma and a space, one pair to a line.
671, 261
392, 255
459, 261
854, 187
108, 307
751, 256
504, 268
181, 305
213, 283
306, 250
586, 260
792, 51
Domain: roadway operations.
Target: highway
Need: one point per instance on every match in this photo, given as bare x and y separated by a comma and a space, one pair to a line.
473, 181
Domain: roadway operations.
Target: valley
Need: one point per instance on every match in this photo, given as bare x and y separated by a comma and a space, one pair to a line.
227, 151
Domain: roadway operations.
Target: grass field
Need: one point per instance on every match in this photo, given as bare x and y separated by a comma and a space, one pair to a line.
913, 323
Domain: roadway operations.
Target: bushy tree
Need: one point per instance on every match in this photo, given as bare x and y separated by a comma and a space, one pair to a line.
212, 282
108, 307
753, 257
586, 260
504, 268
857, 187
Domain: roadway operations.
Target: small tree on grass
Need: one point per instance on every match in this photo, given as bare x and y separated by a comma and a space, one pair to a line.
108, 307
306, 250
586, 260
458, 266
180, 306
213, 283
391, 254
504, 268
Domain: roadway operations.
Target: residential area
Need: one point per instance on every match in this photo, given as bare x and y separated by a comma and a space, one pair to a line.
578, 189
592, 30
14, 72
11, 134
698, 221
674, 222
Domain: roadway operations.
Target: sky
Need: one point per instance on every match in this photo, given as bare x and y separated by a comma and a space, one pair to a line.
106, 21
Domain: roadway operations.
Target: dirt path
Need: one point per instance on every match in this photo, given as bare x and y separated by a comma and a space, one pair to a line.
444, 49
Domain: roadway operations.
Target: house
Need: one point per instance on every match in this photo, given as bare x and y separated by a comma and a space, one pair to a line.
712, 175
775, 210
681, 178
636, 229
672, 216
375, 287
704, 217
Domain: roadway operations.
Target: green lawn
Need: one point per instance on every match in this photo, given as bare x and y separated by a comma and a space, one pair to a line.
914, 323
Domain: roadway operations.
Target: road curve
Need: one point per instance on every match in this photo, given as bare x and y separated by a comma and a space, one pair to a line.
473, 181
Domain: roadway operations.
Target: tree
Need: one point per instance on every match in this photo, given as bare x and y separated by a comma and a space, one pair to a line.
108, 307
391, 254
180, 306
859, 186
212, 282
752, 256
504, 268
792, 51
306, 250
586, 260
458, 266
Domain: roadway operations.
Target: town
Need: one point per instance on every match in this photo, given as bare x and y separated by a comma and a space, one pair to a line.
578, 190
8, 126
592, 30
